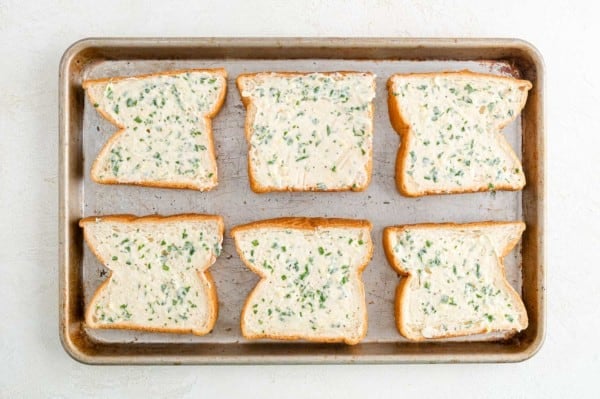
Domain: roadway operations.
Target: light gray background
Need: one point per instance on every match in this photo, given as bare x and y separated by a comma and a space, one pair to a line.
33, 36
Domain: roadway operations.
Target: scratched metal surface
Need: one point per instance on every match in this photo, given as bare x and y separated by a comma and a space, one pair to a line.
233, 199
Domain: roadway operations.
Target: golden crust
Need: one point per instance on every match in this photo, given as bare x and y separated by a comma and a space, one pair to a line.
205, 277
402, 127
402, 289
207, 119
302, 223
255, 186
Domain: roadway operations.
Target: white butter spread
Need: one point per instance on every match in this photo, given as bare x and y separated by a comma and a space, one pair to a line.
456, 121
157, 279
167, 136
311, 286
457, 284
310, 131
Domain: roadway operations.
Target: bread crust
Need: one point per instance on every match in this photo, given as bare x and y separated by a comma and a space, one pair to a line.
255, 186
402, 127
121, 129
205, 277
302, 223
403, 288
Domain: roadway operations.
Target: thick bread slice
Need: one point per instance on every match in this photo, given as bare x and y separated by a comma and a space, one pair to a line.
310, 285
165, 132
159, 278
451, 125
455, 283
309, 131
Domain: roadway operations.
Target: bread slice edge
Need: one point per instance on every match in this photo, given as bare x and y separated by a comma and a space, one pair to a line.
402, 289
402, 127
255, 185
94, 174
302, 223
205, 277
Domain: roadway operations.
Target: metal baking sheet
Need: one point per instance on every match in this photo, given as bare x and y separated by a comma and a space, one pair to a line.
83, 133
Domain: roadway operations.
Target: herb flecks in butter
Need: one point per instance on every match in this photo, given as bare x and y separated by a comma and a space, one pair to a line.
311, 131
311, 285
160, 263
164, 118
455, 122
457, 282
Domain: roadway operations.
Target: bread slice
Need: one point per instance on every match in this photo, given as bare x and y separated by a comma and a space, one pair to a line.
159, 278
165, 131
451, 125
310, 285
455, 283
309, 131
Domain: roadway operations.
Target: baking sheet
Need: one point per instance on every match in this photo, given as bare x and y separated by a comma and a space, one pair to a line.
80, 273
233, 199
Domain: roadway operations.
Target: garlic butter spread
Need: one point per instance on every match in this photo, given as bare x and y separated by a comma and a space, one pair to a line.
310, 131
457, 284
311, 286
156, 279
455, 120
167, 136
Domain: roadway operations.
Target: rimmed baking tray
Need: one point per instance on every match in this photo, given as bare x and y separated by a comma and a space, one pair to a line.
82, 133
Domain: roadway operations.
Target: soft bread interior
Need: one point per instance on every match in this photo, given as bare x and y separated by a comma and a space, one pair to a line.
308, 132
166, 134
310, 286
451, 125
455, 279
158, 279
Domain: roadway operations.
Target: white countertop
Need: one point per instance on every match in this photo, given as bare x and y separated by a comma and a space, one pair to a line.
33, 36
